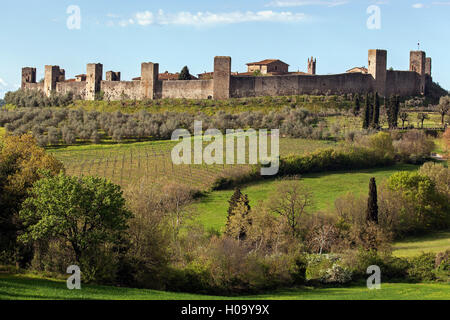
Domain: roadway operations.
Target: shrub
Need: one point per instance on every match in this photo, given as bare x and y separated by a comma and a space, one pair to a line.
333, 160
422, 268
337, 275
414, 146
420, 199
392, 268
439, 174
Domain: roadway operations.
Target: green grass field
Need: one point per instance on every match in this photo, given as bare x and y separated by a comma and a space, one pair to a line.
22, 287
326, 187
127, 164
436, 242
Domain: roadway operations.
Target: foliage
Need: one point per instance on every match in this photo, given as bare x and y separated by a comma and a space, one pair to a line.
422, 268
184, 74
414, 146
22, 163
440, 175
35, 98
51, 126
238, 221
421, 206
333, 160
443, 107
89, 213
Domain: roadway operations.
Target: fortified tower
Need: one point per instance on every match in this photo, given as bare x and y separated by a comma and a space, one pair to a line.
377, 68
51, 76
428, 66
417, 64
312, 66
222, 78
149, 79
94, 74
112, 76
28, 76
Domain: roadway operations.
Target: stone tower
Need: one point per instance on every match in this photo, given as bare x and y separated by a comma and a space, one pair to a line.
149, 79
94, 75
112, 76
51, 76
28, 76
428, 66
377, 68
222, 78
417, 63
312, 66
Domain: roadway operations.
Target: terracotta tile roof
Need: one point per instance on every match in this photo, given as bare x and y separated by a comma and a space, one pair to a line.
265, 62
358, 69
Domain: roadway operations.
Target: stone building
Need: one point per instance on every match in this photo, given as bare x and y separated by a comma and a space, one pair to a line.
358, 70
268, 66
224, 84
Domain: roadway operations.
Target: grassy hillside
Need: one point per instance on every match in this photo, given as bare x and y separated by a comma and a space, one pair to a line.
326, 187
264, 104
436, 242
20, 287
127, 164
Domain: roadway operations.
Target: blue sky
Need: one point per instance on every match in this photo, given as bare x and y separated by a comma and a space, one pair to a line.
122, 34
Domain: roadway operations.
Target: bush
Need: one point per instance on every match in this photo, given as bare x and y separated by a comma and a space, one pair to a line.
333, 160
392, 268
422, 207
414, 146
422, 268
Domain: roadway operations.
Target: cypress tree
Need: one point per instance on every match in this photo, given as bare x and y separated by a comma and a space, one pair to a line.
238, 198
356, 105
396, 107
184, 74
367, 113
372, 202
390, 112
376, 112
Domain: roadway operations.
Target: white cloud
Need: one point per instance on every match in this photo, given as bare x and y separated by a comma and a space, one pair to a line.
301, 3
147, 18
418, 5
3, 83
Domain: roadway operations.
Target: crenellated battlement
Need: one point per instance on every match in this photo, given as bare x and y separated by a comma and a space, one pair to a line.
224, 84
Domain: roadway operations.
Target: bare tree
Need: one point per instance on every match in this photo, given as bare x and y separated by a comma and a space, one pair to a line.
291, 202
322, 238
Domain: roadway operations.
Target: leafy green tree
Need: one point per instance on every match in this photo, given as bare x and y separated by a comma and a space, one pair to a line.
422, 116
443, 107
372, 202
404, 117
420, 198
22, 163
86, 212
184, 74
